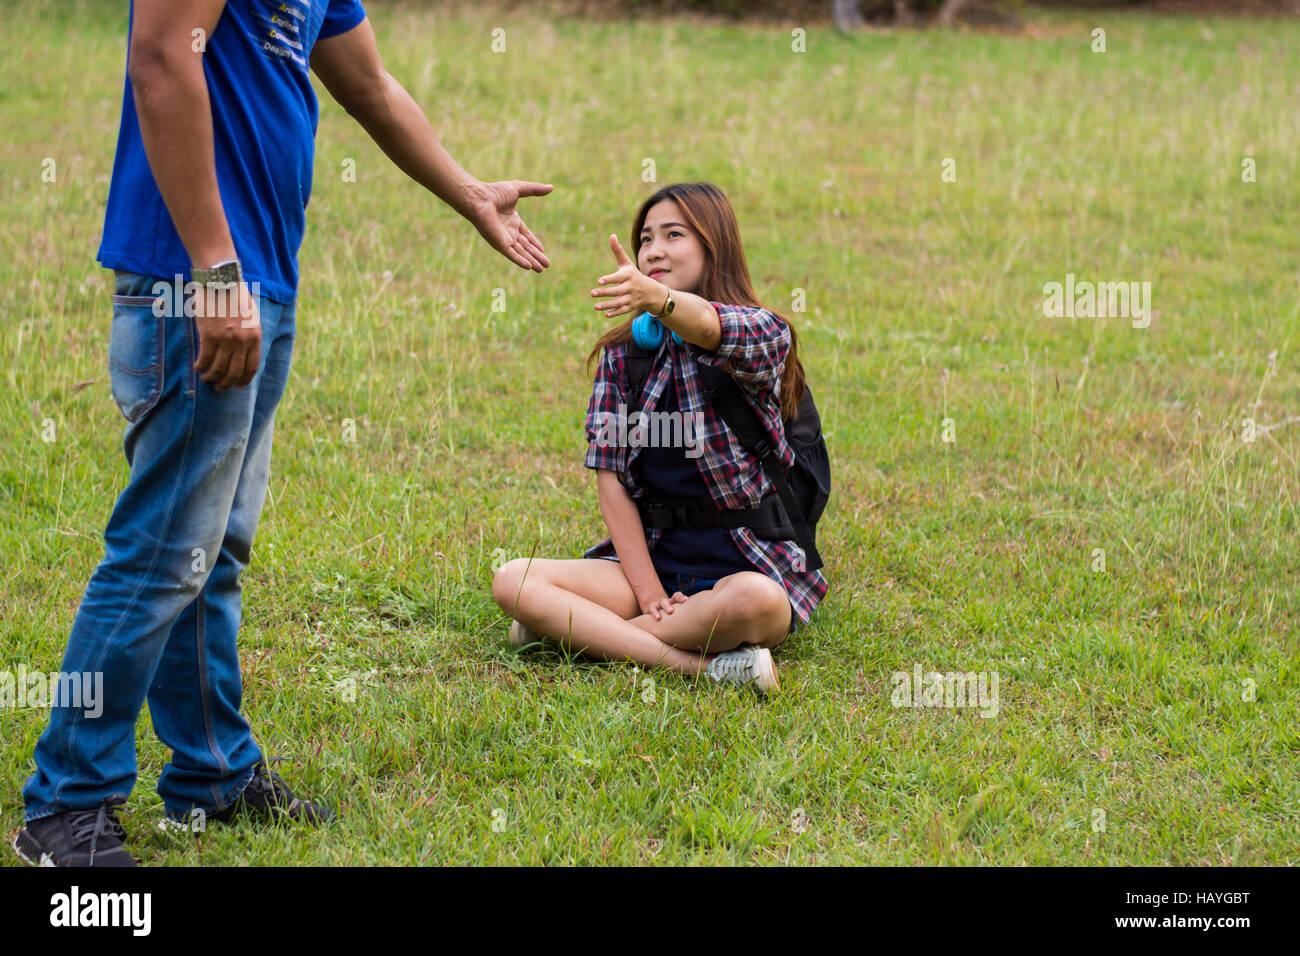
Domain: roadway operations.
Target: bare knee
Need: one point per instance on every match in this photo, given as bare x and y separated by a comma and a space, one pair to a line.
508, 583
756, 603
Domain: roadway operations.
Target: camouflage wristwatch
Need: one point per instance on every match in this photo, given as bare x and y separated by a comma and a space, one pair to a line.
224, 273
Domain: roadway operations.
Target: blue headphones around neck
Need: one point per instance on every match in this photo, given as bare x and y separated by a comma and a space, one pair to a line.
648, 332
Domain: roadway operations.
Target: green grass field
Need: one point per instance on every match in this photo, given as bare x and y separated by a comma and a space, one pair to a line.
1147, 712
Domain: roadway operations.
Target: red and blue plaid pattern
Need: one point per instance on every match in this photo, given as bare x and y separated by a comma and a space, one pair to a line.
755, 343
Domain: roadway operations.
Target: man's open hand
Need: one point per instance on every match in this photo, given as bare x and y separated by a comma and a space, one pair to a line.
494, 215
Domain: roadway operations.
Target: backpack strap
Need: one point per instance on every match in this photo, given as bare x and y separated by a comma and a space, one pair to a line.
722, 390
637, 362
767, 520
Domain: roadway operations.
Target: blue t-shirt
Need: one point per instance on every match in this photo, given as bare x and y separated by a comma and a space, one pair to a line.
264, 115
706, 552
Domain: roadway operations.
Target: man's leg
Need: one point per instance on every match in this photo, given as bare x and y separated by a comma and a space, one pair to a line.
185, 444
194, 700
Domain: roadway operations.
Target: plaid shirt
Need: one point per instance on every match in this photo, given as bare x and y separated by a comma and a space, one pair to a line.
755, 343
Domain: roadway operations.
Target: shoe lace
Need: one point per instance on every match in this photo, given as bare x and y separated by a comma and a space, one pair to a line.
93, 824
730, 665
267, 781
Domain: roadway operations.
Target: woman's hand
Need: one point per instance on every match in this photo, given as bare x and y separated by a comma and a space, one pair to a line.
659, 606
629, 290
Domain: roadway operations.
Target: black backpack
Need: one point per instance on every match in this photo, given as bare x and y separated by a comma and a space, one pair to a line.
792, 511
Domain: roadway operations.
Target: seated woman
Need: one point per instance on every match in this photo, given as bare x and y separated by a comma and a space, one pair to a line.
694, 600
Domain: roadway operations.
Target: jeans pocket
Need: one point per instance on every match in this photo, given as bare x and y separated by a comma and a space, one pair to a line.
135, 355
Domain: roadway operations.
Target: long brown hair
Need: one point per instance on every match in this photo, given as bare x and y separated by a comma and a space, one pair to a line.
725, 277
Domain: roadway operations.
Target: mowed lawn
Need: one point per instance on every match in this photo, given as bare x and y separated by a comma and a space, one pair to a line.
1101, 535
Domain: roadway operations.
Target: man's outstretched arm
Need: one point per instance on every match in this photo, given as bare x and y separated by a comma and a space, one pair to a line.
349, 66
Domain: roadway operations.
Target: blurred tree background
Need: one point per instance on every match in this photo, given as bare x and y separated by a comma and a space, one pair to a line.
853, 14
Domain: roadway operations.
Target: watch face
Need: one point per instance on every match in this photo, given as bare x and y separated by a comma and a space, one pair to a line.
225, 272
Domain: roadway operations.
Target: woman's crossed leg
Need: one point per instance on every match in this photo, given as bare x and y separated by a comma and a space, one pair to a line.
588, 606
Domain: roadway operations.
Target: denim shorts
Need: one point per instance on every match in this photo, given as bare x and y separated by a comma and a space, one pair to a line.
688, 584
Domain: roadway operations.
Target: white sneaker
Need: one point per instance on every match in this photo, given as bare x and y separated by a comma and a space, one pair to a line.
746, 665
520, 636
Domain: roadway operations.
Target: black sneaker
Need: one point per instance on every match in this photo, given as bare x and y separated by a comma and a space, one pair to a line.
269, 797
75, 838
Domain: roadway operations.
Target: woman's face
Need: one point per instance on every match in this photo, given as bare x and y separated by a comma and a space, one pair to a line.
670, 251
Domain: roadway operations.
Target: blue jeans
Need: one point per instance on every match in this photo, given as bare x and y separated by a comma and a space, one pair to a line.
160, 615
